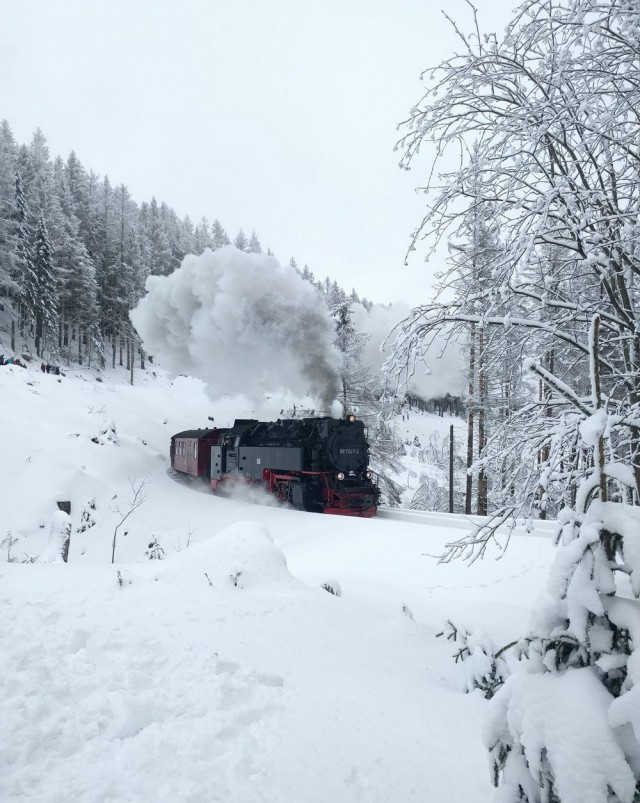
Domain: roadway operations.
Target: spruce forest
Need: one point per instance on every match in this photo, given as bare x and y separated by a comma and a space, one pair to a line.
75, 252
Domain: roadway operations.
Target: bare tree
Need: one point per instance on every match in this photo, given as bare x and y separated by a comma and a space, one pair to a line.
139, 490
544, 127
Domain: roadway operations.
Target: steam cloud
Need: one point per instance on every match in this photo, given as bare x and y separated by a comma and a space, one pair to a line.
441, 372
242, 323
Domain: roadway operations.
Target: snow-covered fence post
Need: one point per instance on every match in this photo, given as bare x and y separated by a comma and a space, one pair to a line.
59, 538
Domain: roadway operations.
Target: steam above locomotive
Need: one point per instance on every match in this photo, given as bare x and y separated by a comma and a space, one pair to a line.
316, 464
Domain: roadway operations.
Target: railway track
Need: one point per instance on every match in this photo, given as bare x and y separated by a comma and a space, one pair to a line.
460, 521
453, 521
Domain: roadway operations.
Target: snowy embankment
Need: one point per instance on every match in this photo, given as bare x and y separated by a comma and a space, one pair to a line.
223, 672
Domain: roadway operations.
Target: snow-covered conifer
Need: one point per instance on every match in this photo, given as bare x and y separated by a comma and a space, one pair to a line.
254, 246
219, 235
202, 236
241, 241
41, 291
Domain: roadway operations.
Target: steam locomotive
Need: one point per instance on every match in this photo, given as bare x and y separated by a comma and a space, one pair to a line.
316, 464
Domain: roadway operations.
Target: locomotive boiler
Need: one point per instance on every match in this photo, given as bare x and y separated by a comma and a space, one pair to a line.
315, 464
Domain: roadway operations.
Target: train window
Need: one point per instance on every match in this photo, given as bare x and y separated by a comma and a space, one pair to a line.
195, 449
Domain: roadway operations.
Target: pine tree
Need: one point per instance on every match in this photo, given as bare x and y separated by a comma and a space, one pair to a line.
8, 153
202, 236
254, 246
77, 297
241, 241
219, 236
23, 273
42, 290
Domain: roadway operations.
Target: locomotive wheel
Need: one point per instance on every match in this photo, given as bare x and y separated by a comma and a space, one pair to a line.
313, 497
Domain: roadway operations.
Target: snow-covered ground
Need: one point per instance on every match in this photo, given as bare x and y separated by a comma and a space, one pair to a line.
224, 672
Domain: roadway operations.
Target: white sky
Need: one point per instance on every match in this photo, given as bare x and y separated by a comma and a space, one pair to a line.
278, 115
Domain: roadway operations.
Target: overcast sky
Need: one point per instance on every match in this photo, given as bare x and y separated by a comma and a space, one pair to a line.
273, 115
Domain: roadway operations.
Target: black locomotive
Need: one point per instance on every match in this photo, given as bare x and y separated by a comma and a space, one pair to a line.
318, 464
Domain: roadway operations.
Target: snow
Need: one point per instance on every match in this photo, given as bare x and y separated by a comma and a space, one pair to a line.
225, 671
593, 427
560, 719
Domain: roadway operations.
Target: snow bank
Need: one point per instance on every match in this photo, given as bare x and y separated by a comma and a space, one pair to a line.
242, 323
242, 556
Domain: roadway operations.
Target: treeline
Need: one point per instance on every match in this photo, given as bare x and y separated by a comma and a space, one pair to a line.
334, 294
75, 252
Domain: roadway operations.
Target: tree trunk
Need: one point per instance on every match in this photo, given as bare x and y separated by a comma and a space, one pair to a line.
470, 412
482, 402
451, 469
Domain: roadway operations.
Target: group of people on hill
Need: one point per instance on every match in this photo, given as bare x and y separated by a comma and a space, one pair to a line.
45, 367
11, 361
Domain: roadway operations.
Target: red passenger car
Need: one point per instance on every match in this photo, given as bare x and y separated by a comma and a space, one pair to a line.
191, 451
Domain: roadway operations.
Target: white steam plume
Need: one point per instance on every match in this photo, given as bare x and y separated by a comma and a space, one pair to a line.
242, 323
440, 372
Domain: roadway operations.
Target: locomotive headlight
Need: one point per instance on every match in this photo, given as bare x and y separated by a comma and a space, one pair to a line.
351, 418
340, 475
369, 474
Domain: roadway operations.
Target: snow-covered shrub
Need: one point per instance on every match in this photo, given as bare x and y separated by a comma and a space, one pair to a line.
483, 667
567, 725
107, 434
333, 587
7, 543
154, 551
86, 518
433, 489
433, 494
